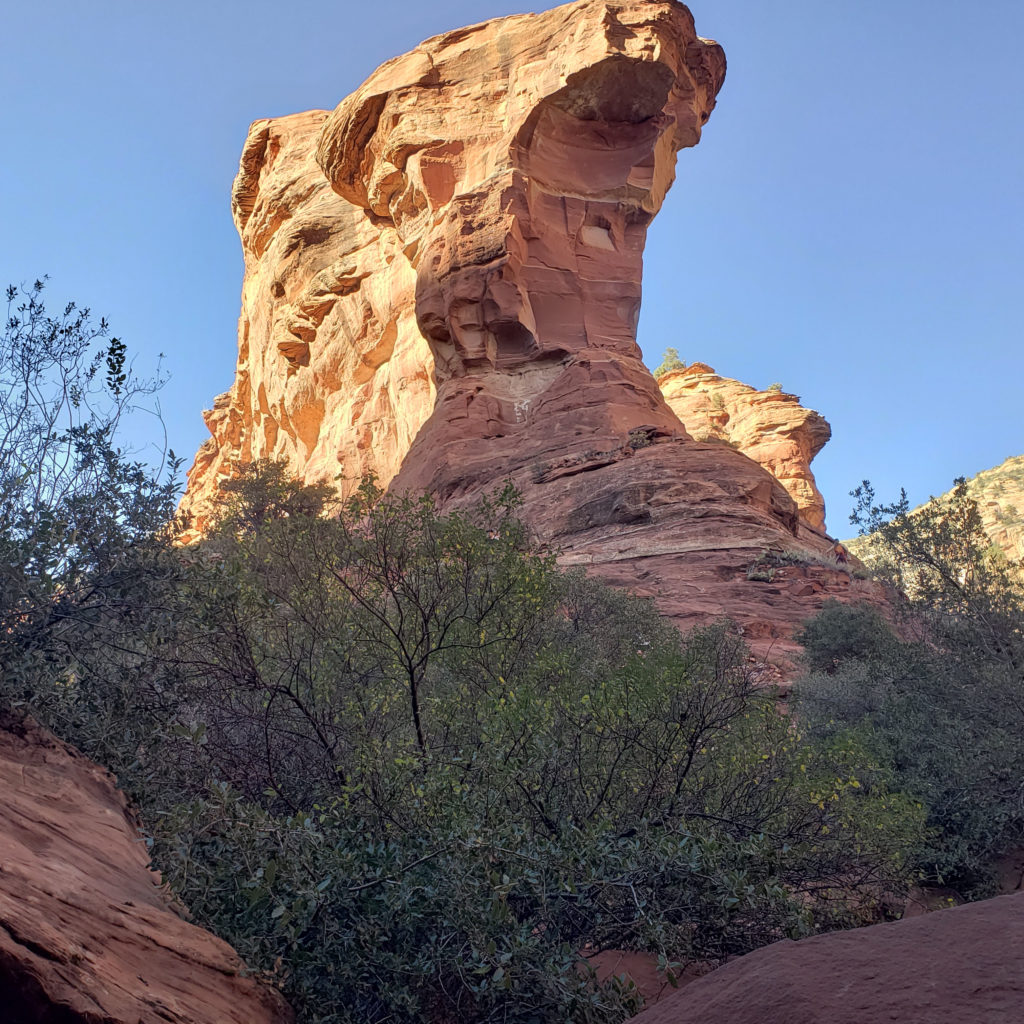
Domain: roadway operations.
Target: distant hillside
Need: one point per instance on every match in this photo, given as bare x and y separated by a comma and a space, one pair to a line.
999, 493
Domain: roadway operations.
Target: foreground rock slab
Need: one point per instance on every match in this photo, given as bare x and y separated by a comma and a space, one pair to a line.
964, 965
86, 936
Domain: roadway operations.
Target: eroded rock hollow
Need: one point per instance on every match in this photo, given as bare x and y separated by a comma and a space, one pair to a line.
442, 287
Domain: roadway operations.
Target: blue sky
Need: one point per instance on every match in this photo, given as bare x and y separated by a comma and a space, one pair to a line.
852, 224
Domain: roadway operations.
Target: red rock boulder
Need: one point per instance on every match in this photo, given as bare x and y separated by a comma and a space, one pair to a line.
86, 935
964, 965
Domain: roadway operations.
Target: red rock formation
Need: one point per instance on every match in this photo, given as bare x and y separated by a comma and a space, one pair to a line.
86, 937
441, 162
956, 966
771, 427
492, 191
333, 373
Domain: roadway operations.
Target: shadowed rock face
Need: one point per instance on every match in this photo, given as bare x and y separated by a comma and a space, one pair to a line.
86, 936
443, 285
956, 966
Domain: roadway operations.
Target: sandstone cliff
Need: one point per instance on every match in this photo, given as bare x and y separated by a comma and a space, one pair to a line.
442, 287
771, 427
333, 373
85, 934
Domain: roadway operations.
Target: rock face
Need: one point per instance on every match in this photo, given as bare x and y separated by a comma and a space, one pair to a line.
442, 287
771, 427
333, 373
405, 241
956, 966
85, 935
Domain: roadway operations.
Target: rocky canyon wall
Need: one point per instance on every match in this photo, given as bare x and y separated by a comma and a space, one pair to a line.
475, 213
442, 287
771, 427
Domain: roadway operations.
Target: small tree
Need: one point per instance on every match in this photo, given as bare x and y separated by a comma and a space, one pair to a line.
669, 362
78, 515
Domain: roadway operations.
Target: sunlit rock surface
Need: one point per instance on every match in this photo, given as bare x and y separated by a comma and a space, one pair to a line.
442, 287
770, 426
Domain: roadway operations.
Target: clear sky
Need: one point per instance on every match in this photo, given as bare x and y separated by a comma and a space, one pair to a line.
852, 224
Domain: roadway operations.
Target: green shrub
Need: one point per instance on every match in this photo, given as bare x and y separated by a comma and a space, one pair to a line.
417, 750
83, 525
760, 572
474, 924
940, 700
640, 437
669, 362
842, 633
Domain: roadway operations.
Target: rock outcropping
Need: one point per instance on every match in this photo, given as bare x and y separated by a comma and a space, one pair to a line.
86, 935
468, 219
956, 966
771, 427
442, 287
333, 373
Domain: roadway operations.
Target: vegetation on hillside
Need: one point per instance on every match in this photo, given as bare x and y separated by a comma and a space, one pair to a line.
999, 494
413, 770
938, 692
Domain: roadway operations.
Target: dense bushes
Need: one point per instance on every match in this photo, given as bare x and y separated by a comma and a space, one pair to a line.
410, 768
938, 694
427, 769
413, 771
